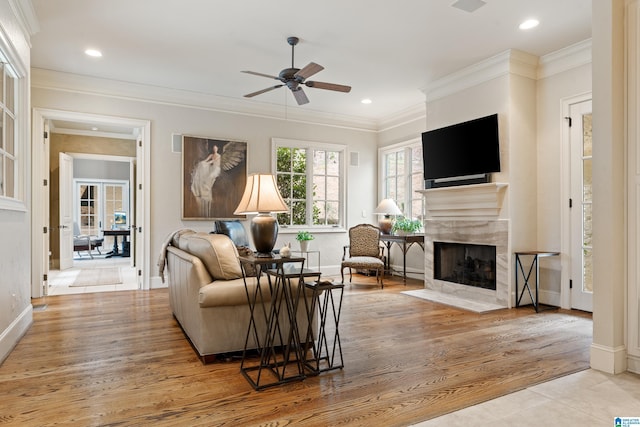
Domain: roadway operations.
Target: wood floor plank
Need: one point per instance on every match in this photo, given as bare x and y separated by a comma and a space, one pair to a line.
121, 359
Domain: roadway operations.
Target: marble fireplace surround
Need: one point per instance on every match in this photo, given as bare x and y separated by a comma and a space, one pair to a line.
469, 214
479, 232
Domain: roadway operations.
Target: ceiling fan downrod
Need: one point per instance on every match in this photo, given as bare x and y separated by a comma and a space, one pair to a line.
293, 41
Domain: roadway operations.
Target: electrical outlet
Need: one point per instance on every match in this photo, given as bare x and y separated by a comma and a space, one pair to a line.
364, 213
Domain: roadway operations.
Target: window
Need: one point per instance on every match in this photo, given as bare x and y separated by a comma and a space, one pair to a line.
401, 172
310, 178
10, 169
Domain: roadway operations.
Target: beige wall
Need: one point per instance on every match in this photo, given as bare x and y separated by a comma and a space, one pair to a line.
60, 143
166, 166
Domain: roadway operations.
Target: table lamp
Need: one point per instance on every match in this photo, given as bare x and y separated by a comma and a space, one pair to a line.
386, 208
261, 197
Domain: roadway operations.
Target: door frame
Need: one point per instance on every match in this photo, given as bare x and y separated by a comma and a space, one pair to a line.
40, 179
565, 195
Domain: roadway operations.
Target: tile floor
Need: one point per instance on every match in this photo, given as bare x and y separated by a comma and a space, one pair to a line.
59, 281
586, 398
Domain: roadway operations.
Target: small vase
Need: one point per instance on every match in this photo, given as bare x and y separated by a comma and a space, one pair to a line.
304, 245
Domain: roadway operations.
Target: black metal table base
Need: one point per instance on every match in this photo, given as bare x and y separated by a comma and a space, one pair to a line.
535, 264
325, 354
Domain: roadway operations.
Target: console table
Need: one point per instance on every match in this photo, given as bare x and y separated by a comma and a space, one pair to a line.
404, 242
535, 263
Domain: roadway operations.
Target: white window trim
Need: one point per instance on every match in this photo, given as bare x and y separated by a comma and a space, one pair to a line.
22, 135
101, 182
382, 151
342, 149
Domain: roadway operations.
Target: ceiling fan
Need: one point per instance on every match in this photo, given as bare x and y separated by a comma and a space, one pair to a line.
295, 78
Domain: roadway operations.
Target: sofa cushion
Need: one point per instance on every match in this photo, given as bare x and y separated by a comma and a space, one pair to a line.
230, 293
218, 254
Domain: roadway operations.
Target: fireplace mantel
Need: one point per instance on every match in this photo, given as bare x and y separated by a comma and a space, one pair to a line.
465, 201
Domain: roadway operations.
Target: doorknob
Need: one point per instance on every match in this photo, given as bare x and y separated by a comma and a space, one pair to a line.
61, 226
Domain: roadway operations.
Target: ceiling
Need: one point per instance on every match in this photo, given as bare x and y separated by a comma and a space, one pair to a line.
387, 51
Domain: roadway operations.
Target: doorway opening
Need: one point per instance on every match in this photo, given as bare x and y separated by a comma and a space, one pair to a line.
106, 130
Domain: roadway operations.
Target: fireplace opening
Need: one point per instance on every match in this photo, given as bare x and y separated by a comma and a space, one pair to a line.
466, 264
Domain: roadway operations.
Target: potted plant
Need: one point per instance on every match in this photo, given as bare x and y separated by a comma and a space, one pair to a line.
404, 225
303, 238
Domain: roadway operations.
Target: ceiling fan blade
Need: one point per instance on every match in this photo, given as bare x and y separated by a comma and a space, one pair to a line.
308, 71
252, 94
261, 75
328, 86
300, 96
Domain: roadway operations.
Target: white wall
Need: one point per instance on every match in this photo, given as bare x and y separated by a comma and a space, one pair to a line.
15, 232
165, 185
100, 169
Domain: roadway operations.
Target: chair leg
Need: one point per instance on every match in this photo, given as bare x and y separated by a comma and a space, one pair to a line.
342, 274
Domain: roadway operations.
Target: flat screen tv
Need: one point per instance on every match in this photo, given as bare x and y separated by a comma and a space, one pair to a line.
462, 150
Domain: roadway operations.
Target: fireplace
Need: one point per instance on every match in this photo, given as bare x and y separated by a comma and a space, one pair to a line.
466, 264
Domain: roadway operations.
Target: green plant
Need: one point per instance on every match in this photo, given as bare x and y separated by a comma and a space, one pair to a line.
304, 235
407, 225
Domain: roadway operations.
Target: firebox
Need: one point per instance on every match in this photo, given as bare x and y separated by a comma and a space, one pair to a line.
466, 264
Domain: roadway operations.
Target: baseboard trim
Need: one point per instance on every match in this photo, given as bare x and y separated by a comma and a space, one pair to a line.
612, 360
633, 364
10, 336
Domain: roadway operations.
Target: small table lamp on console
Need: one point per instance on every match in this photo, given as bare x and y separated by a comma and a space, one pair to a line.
261, 196
386, 208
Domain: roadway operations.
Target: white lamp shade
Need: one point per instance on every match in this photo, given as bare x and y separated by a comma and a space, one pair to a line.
387, 207
261, 195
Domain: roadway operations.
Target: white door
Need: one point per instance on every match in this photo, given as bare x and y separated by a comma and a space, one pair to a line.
581, 206
46, 252
66, 211
132, 211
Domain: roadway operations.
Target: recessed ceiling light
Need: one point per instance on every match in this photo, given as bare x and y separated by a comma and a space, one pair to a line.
94, 128
529, 24
93, 52
366, 101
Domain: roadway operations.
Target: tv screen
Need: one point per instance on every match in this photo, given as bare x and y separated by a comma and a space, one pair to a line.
463, 149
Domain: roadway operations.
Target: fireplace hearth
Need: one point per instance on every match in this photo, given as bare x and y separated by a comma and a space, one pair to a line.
466, 264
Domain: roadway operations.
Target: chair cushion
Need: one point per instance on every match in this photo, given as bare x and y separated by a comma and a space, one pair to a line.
363, 262
217, 252
179, 238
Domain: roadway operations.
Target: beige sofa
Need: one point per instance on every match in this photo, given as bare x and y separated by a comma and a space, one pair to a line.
208, 297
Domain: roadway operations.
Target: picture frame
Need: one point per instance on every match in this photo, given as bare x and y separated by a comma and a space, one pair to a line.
214, 174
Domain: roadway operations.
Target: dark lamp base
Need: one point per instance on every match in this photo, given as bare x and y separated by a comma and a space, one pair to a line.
386, 224
264, 230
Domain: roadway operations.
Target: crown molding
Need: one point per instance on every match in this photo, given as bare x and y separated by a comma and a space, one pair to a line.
414, 113
508, 62
75, 83
26, 14
565, 59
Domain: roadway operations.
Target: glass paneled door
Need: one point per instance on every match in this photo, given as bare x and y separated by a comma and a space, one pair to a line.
97, 203
581, 206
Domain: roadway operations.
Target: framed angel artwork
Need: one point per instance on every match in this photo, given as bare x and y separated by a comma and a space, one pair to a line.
214, 174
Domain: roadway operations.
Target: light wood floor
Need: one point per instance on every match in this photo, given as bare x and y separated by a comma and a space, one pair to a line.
119, 358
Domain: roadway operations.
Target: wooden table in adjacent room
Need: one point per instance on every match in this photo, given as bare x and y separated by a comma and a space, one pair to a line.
404, 242
125, 239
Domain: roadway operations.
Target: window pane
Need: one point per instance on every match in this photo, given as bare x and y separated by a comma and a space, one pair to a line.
299, 210
587, 225
3, 72
391, 164
299, 160
319, 188
284, 185
2, 186
416, 209
333, 217
417, 183
9, 136
333, 188
299, 190
587, 135
416, 159
283, 159
587, 278
10, 95
400, 164
587, 180
319, 162
333, 163
319, 215
9, 176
